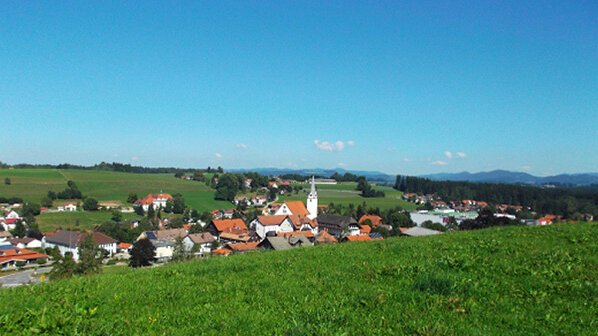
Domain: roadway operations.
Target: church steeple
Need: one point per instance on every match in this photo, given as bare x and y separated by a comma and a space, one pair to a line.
312, 200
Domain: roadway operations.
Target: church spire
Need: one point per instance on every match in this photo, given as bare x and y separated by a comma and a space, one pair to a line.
313, 185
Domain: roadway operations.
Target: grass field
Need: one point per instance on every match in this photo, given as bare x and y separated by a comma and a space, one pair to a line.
49, 222
33, 184
500, 281
345, 193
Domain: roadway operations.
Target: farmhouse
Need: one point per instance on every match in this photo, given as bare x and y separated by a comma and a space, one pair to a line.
163, 241
242, 247
155, 200
25, 242
263, 225
69, 241
323, 237
356, 238
217, 226
338, 226
10, 255
203, 241
284, 243
70, 206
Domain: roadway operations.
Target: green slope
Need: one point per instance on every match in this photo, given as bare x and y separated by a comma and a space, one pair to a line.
500, 281
33, 184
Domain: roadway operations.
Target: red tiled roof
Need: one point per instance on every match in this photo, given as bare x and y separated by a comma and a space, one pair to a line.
242, 246
19, 254
149, 199
325, 237
359, 238
271, 220
10, 220
376, 220
124, 245
307, 234
223, 224
297, 208
222, 251
365, 229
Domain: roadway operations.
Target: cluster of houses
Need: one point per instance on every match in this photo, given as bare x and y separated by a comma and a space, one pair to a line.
9, 221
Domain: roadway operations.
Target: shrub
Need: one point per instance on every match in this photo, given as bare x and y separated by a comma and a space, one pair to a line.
41, 261
20, 263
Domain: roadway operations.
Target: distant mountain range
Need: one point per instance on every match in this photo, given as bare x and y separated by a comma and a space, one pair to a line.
370, 175
505, 176
495, 176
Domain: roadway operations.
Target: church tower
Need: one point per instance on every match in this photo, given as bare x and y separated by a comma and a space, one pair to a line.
312, 201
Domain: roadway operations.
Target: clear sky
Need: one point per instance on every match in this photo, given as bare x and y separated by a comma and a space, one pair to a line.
401, 87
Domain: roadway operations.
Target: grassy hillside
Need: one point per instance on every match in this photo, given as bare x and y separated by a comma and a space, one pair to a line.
48, 222
500, 281
33, 185
345, 194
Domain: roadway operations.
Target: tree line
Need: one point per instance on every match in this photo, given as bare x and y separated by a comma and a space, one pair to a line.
568, 203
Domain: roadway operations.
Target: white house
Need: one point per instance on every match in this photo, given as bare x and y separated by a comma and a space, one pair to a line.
262, 225
203, 240
163, 241
258, 200
156, 200
25, 242
69, 241
70, 206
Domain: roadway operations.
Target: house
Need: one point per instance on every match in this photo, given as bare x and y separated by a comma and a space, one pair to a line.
356, 238
203, 241
26, 242
217, 226
338, 226
70, 206
304, 223
9, 222
10, 255
248, 183
376, 220
241, 200
263, 225
155, 200
545, 221
417, 231
216, 214
284, 243
222, 252
69, 241
4, 235
109, 204
292, 208
163, 241
272, 184
365, 229
258, 200
124, 247
242, 247
376, 236
232, 235
323, 237
307, 234
228, 213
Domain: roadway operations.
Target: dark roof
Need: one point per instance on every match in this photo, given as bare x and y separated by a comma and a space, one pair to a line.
341, 221
376, 235
73, 238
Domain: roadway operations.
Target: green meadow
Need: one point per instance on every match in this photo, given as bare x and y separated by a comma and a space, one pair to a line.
345, 193
33, 184
76, 220
499, 281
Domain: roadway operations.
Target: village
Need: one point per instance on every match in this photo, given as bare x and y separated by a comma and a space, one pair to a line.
278, 226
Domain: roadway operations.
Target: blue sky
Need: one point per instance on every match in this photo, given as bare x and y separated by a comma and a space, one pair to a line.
400, 87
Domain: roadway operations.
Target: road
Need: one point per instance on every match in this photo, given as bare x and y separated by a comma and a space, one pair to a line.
22, 278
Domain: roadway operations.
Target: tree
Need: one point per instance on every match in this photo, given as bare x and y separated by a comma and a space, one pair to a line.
178, 205
64, 266
150, 211
47, 202
142, 253
7, 181
198, 175
168, 206
89, 256
176, 222
132, 198
433, 226
179, 252
19, 230
226, 188
51, 195
139, 210
90, 204
116, 216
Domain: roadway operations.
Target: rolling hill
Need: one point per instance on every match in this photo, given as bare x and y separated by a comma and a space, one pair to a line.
509, 280
504, 176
